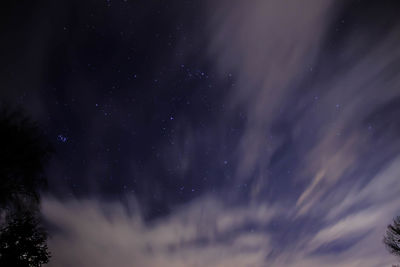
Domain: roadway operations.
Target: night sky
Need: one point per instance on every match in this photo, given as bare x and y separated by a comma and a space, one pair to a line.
211, 133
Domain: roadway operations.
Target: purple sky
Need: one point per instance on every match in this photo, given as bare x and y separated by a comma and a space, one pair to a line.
212, 133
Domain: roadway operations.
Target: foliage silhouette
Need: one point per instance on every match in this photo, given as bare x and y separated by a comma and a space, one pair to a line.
23, 243
392, 237
24, 152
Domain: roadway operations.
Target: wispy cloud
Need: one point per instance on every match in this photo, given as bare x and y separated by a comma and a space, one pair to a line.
202, 233
319, 150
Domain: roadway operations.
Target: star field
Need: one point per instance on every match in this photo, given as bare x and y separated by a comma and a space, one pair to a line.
212, 133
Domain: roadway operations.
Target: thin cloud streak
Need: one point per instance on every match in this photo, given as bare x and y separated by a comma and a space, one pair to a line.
319, 121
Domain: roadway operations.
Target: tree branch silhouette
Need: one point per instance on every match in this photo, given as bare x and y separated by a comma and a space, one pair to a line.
392, 237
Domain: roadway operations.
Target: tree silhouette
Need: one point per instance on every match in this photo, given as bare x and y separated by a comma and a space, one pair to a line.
392, 237
23, 155
23, 243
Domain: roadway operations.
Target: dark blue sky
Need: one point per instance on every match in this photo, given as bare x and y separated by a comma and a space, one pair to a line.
212, 133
